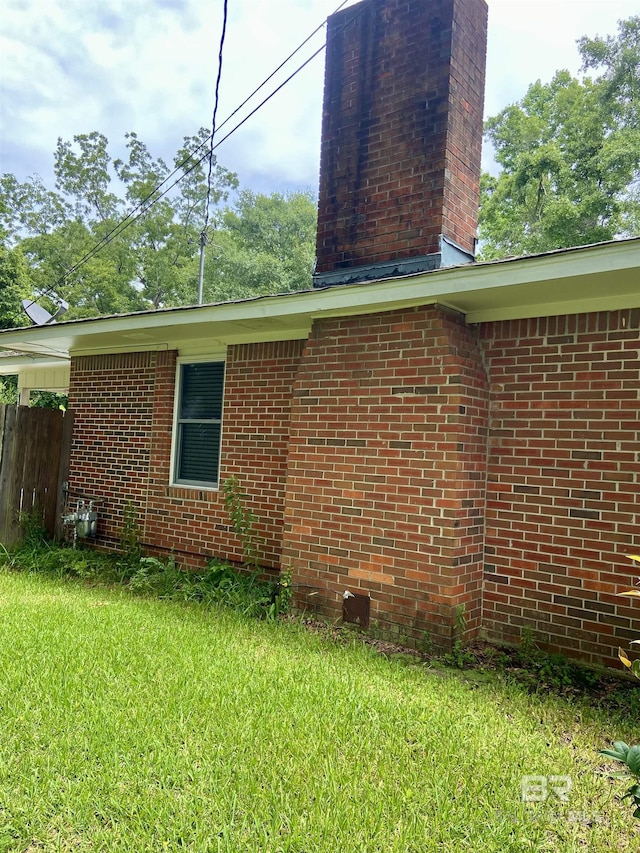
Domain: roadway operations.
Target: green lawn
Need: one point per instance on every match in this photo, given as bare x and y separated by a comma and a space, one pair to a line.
136, 724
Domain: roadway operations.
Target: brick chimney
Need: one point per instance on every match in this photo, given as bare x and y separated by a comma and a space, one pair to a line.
401, 138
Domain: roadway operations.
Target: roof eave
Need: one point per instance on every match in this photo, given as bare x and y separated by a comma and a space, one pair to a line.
592, 278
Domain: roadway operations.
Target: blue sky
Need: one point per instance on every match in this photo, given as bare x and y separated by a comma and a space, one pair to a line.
73, 66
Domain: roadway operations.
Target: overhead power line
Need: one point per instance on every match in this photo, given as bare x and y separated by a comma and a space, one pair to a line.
140, 210
215, 113
198, 148
203, 233
152, 198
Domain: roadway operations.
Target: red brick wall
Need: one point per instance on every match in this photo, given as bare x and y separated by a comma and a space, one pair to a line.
386, 469
122, 443
461, 196
562, 506
402, 130
112, 399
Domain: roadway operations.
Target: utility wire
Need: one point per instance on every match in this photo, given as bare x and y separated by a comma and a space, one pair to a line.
107, 238
129, 220
203, 233
215, 113
123, 225
140, 210
118, 229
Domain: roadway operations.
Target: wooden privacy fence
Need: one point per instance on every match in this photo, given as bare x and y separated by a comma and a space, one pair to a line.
34, 460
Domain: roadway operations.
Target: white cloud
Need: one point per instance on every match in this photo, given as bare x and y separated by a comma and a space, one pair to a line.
532, 39
72, 66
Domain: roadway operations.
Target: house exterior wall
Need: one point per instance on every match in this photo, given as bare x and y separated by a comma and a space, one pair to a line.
122, 448
404, 456
564, 468
385, 494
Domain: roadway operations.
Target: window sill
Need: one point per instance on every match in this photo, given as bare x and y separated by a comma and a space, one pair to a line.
183, 491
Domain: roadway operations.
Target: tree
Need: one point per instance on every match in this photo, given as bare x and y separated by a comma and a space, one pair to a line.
264, 244
145, 264
14, 286
103, 284
570, 157
8, 390
73, 243
167, 238
619, 59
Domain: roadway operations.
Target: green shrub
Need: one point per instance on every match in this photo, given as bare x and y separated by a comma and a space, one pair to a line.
249, 592
630, 757
242, 519
460, 656
552, 670
220, 583
130, 547
162, 578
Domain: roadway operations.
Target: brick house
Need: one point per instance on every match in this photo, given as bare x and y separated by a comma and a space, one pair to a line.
422, 431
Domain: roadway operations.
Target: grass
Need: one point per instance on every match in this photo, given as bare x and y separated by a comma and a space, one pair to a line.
139, 724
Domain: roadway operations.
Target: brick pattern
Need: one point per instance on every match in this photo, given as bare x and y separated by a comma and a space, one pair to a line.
112, 399
385, 494
402, 130
461, 197
562, 508
122, 448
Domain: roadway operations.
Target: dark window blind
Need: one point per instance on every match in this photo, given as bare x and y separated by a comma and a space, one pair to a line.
201, 394
199, 423
199, 453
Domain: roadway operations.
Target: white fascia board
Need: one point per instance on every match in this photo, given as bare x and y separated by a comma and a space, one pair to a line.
569, 281
45, 377
446, 286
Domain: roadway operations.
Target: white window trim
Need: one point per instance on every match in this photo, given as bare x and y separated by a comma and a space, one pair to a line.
212, 357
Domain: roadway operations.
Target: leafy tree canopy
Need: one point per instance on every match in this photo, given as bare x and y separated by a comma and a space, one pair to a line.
264, 244
8, 390
14, 285
569, 153
48, 237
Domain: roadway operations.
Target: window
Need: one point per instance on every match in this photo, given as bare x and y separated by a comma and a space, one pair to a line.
198, 423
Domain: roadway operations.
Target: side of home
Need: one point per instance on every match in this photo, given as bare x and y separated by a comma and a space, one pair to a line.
398, 445
437, 436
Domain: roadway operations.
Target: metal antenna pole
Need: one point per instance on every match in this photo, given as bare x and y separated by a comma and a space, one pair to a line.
203, 243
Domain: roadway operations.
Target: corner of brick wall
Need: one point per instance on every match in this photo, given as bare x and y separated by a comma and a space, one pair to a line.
112, 399
385, 491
